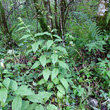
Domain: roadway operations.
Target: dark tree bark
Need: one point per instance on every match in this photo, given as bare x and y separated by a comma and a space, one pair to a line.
3, 21
40, 17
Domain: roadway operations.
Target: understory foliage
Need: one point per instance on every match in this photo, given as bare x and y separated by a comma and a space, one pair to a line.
47, 71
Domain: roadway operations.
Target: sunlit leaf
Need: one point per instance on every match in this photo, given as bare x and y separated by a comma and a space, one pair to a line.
54, 73
3, 95
64, 83
63, 65
39, 107
17, 103
24, 90
49, 43
6, 82
13, 85
25, 36
42, 59
54, 58
35, 65
34, 47
46, 73
61, 89
51, 107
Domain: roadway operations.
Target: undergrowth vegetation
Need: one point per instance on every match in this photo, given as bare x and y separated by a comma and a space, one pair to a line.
44, 71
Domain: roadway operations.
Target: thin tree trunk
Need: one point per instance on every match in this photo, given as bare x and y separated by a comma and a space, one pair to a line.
56, 17
5, 5
3, 21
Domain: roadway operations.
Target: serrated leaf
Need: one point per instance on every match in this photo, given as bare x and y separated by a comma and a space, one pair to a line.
49, 43
46, 73
39, 107
63, 65
17, 103
34, 47
3, 95
62, 49
13, 85
24, 90
35, 65
42, 60
25, 36
61, 89
54, 73
6, 82
64, 83
54, 58
51, 107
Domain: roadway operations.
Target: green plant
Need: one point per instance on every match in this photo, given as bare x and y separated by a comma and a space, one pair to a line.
50, 65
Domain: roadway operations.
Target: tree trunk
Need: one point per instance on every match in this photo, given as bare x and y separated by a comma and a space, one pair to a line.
3, 21
40, 17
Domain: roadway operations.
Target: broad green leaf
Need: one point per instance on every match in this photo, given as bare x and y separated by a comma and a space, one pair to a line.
64, 83
21, 28
13, 85
45, 95
25, 105
61, 89
50, 85
42, 59
42, 81
34, 47
35, 98
49, 43
54, 73
57, 37
40, 42
51, 107
62, 49
46, 73
44, 33
35, 65
17, 103
108, 73
31, 106
58, 40
28, 51
63, 65
12, 29
6, 82
1, 33
56, 81
54, 58
60, 95
24, 90
41, 97
3, 95
25, 36
39, 107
